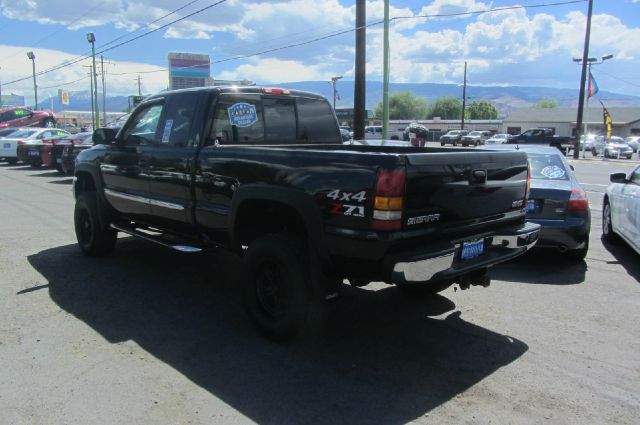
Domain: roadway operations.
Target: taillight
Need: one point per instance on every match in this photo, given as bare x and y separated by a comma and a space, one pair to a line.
275, 90
578, 201
387, 212
22, 142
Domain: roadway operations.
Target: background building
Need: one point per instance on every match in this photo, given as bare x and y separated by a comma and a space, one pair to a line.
626, 121
188, 70
8, 100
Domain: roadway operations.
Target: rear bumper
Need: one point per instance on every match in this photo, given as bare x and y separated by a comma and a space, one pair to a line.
499, 246
565, 234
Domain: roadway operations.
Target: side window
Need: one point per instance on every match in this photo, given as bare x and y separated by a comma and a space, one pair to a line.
316, 122
178, 120
238, 120
143, 129
20, 113
279, 120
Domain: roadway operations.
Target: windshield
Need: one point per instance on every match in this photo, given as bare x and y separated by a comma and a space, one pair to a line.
475, 133
547, 167
500, 136
24, 133
454, 132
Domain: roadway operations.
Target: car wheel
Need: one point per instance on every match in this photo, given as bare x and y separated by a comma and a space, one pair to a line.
455, 143
60, 169
579, 254
49, 123
93, 233
35, 163
425, 289
607, 227
441, 143
12, 161
277, 291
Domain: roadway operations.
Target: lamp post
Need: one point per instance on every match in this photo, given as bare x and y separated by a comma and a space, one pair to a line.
31, 56
92, 39
589, 63
334, 80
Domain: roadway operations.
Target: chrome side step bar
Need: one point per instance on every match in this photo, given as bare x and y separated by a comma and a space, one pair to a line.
154, 239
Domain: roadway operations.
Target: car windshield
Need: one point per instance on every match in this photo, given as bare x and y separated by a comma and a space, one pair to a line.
454, 133
23, 133
475, 133
500, 136
547, 166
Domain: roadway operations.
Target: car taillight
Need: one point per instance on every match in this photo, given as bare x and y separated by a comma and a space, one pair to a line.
22, 142
578, 201
526, 198
389, 199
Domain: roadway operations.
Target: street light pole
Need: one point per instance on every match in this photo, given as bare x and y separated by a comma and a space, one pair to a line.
31, 56
359, 91
464, 96
334, 81
91, 38
385, 74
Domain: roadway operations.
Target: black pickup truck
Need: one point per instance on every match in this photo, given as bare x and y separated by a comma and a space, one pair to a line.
543, 136
263, 172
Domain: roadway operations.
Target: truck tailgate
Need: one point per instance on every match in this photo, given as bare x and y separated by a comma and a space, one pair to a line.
451, 190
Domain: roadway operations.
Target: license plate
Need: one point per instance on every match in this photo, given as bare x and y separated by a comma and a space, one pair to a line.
34, 153
531, 206
58, 160
472, 249
7, 146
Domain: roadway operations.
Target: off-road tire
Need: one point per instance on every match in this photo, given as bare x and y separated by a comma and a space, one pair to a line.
277, 290
93, 233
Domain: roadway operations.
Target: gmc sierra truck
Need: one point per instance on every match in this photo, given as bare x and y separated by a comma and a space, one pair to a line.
263, 172
543, 136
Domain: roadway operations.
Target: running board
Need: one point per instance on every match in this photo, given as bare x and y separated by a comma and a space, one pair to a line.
159, 241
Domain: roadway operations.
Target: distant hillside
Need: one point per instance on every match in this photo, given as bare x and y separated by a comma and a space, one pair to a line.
506, 99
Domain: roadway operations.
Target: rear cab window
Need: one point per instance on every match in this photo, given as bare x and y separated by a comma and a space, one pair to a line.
256, 119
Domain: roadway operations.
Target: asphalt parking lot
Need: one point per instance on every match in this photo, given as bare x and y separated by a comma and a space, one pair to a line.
150, 336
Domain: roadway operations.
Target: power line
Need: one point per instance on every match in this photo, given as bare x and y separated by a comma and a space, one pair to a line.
85, 56
618, 78
298, 44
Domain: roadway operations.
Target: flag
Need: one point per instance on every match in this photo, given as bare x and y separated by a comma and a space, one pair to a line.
593, 86
608, 122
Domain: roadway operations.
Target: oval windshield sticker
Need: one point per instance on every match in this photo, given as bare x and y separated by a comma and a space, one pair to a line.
242, 114
552, 172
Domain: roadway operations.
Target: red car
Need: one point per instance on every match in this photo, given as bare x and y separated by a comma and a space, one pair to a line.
24, 117
51, 150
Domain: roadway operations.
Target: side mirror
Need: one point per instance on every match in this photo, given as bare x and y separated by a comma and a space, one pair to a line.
104, 136
571, 166
618, 178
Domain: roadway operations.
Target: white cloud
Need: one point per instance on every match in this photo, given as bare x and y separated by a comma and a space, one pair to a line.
276, 71
445, 7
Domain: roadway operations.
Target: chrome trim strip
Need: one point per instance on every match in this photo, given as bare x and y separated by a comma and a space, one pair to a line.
424, 270
143, 200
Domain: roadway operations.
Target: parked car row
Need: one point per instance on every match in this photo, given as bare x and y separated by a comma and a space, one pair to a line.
51, 147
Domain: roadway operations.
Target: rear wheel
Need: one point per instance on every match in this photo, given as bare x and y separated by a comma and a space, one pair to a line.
60, 169
277, 288
441, 143
36, 163
607, 227
93, 233
12, 161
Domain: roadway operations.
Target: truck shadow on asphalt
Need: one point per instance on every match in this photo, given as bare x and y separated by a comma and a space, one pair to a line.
625, 256
381, 357
541, 266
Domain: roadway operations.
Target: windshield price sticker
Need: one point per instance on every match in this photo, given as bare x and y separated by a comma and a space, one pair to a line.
167, 131
552, 172
242, 115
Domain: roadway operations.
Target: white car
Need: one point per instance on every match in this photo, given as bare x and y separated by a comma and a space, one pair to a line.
373, 132
621, 209
24, 136
634, 142
498, 139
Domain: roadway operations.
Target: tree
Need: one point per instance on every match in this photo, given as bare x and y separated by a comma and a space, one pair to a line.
447, 108
481, 110
404, 106
545, 104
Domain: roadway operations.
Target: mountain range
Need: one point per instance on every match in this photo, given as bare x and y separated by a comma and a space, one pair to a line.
505, 98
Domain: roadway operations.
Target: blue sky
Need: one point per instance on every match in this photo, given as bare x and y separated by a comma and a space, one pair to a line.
527, 47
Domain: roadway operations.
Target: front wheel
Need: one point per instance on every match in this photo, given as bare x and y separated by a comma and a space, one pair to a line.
12, 161
93, 233
607, 225
277, 290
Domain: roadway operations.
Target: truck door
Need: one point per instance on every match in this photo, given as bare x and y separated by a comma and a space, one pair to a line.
125, 167
171, 161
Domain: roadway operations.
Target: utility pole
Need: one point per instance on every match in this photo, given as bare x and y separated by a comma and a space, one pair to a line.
464, 96
93, 111
359, 92
139, 86
583, 78
385, 74
104, 93
91, 38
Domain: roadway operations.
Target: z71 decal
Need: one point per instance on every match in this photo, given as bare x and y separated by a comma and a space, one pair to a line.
339, 208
